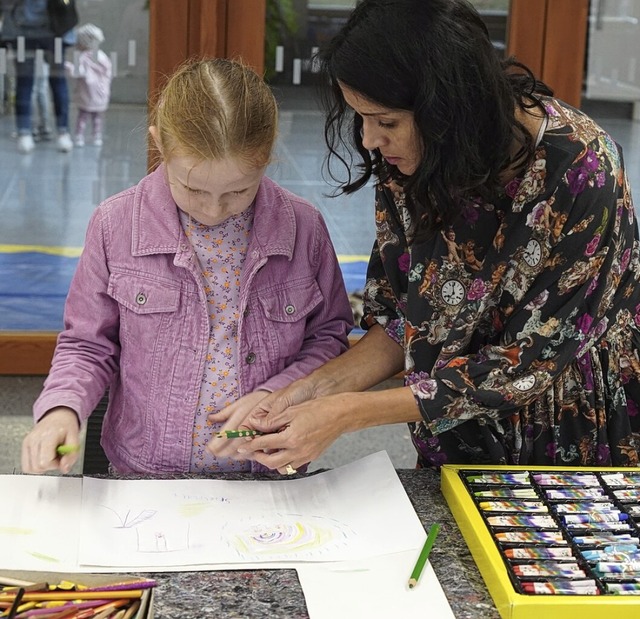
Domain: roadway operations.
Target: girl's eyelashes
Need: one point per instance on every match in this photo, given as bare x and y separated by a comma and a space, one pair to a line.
198, 192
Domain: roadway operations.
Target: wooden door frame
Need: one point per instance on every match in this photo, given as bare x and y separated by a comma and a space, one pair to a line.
550, 37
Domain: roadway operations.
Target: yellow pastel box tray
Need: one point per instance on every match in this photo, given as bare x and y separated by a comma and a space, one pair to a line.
510, 603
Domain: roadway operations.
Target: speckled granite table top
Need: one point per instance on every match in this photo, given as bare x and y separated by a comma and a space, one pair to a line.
276, 593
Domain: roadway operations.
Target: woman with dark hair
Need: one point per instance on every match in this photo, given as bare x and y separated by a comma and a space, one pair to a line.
504, 277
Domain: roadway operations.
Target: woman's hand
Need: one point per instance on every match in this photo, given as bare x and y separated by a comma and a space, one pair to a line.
270, 413
297, 434
60, 426
233, 417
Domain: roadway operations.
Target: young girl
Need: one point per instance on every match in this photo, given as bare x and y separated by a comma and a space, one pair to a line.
204, 285
92, 73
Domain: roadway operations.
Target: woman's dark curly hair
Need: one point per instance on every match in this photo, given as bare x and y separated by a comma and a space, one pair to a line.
434, 58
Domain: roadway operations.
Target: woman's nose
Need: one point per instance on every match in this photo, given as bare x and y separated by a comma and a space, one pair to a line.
371, 139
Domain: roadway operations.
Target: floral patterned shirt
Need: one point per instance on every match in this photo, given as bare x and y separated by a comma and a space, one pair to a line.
221, 250
520, 322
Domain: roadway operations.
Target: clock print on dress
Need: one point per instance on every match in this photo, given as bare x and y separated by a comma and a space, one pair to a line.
452, 292
533, 253
525, 383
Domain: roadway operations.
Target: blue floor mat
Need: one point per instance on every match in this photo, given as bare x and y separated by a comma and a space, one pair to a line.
34, 285
33, 288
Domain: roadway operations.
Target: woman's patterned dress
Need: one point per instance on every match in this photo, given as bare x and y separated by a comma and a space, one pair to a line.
520, 324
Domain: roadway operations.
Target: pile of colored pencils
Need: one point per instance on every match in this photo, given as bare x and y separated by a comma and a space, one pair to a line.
67, 600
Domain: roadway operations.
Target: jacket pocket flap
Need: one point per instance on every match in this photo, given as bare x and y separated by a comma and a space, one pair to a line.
292, 304
143, 295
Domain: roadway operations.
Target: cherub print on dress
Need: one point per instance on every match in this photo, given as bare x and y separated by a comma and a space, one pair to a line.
499, 238
429, 278
580, 272
498, 273
385, 235
453, 249
544, 217
541, 214
468, 250
533, 182
559, 220
582, 225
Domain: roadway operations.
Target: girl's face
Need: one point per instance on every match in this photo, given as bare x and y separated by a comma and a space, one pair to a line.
212, 191
393, 132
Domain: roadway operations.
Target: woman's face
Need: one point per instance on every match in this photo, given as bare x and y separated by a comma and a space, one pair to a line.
393, 132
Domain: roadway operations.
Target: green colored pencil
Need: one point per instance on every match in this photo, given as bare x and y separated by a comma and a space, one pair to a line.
237, 433
424, 555
63, 450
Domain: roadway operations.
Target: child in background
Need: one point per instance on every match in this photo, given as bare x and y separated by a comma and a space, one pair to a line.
205, 286
92, 72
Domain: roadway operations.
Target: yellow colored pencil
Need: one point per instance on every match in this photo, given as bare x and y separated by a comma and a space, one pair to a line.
63, 450
45, 596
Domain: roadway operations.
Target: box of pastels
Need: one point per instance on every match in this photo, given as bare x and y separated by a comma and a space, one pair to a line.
552, 542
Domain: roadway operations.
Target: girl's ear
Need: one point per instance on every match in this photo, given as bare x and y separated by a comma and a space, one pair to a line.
153, 132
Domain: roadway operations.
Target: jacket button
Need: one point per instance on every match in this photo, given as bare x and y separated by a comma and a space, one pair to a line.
141, 298
250, 358
290, 309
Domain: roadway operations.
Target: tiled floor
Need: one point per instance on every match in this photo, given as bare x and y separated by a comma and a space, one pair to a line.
47, 197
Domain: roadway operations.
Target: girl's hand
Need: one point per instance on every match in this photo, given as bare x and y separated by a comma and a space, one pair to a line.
234, 417
60, 426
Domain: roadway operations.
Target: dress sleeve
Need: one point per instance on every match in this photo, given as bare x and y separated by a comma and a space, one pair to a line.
385, 292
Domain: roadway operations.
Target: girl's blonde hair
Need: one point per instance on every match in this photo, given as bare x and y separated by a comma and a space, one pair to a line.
215, 108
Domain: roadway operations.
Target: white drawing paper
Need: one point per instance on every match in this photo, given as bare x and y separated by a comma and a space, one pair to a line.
39, 522
356, 511
375, 588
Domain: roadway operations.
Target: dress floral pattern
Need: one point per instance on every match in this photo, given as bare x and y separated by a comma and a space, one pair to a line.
221, 251
520, 322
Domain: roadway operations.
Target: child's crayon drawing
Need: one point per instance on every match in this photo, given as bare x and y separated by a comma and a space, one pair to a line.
286, 536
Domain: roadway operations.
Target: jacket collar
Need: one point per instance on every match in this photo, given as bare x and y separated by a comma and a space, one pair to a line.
156, 226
